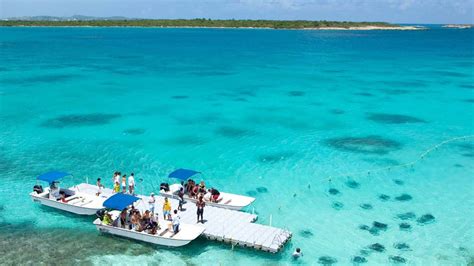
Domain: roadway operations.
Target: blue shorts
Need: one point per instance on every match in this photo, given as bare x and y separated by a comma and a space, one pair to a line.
166, 213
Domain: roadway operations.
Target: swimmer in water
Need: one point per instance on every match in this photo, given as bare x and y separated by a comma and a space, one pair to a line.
297, 253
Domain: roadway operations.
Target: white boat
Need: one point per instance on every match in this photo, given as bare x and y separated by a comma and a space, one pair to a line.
75, 201
225, 200
163, 236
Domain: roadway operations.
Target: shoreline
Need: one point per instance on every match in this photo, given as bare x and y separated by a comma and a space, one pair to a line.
364, 28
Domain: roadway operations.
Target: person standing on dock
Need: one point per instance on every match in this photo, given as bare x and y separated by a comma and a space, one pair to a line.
200, 204
151, 203
131, 184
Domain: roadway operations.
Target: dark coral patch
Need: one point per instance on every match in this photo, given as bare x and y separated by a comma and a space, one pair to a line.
262, 190
380, 226
358, 260
398, 182
251, 193
307, 233
401, 246
337, 111
383, 197
368, 145
232, 132
334, 191
425, 219
134, 131
296, 93
404, 197
366, 206
275, 157
397, 259
326, 260
393, 118
364, 227
406, 216
365, 94
180, 97
405, 226
377, 247
77, 120
337, 205
352, 184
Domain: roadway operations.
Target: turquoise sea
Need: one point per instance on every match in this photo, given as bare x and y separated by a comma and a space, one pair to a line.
294, 118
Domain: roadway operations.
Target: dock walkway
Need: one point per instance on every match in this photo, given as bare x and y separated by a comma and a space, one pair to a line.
230, 226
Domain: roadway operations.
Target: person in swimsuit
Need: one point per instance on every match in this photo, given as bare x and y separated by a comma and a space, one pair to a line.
200, 204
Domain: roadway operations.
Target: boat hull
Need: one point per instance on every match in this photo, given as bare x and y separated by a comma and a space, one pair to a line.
64, 206
140, 236
209, 203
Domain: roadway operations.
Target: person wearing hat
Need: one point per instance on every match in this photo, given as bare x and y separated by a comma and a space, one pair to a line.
151, 202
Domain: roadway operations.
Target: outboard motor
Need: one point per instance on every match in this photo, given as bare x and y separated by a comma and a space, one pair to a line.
38, 189
100, 214
165, 187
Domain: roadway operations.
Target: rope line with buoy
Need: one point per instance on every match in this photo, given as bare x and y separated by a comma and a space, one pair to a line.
409, 164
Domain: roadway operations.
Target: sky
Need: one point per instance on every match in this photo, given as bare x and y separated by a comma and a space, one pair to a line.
395, 11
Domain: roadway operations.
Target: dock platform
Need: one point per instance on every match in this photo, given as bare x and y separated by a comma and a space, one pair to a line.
234, 227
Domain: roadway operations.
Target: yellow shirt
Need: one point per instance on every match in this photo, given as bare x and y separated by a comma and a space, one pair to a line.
167, 206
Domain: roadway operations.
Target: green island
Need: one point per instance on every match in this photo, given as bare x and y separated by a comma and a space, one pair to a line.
205, 23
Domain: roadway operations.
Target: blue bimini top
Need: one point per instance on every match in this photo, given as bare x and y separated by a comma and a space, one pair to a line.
183, 174
50, 177
120, 201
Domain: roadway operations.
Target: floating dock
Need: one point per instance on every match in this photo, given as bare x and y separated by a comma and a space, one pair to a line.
234, 227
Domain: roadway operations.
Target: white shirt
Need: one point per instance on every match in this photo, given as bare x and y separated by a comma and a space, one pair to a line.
176, 219
117, 179
131, 181
151, 201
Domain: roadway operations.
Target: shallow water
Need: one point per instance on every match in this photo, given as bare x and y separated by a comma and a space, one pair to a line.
274, 114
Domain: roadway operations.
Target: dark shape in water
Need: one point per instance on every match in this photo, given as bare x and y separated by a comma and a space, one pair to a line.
180, 97
208, 73
404, 197
469, 100
406, 216
374, 231
337, 205
380, 226
334, 191
395, 91
393, 118
134, 131
231, 132
337, 111
50, 78
397, 259
369, 144
364, 227
470, 155
401, 246
251, 193
352, 184
358, 260
262, 190
405, 226
366, 206
384, 197
307, 233
296, 93
377, 247
426, 219
326, 260
365, 94
77, 120
398, 182
458, 165
275, 157
364, 252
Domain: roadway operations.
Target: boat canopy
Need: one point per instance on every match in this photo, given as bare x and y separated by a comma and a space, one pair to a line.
50, 177
183, 174
120, 201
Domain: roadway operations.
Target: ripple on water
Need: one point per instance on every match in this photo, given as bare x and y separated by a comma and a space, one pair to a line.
232, 132
367, 145
78, 120
296, 93
274, 157
134, 131
179, 97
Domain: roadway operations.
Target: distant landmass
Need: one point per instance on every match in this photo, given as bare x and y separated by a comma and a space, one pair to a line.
88, 21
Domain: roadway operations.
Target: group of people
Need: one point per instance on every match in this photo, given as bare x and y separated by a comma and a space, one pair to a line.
147, 221
120, 183
197, 191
